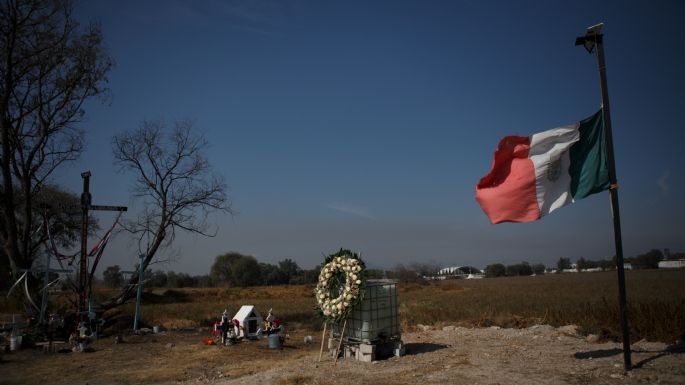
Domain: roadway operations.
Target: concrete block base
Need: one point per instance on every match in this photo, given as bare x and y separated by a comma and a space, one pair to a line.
373, 352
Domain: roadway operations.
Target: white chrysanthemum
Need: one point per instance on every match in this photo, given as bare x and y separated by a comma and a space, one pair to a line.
351, 269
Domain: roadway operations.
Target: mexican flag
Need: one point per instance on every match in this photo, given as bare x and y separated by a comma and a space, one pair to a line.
535, 175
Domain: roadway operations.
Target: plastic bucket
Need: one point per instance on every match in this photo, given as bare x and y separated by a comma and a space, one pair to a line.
275, 341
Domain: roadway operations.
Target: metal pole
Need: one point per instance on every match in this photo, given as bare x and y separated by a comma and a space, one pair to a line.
139, 293
85, 205
613, 193
44, 301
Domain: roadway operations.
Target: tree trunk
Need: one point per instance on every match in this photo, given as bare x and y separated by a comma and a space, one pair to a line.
128, 291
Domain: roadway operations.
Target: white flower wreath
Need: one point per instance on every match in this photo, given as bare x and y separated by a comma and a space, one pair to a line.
352, 269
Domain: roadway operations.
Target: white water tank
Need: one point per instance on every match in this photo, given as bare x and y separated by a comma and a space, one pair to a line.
376, 318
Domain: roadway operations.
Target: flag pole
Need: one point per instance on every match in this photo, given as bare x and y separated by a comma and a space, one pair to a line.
594, 39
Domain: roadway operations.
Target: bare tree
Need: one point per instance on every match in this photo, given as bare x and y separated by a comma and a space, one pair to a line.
175, 182
49, 66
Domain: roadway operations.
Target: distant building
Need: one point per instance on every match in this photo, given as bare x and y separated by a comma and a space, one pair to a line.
572, 269
672, 264
469, 272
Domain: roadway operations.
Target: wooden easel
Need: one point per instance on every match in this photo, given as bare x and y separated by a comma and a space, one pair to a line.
337, 351
323, 340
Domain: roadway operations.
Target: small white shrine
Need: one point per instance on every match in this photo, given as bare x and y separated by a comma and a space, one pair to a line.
250, 321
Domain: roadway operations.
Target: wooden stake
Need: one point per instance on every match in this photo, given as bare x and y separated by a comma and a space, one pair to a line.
323, 338
337, 351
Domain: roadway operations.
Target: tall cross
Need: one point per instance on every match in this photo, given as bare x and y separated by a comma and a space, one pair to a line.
86, 205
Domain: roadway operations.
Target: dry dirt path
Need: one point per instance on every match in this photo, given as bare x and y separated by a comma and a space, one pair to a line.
455, 355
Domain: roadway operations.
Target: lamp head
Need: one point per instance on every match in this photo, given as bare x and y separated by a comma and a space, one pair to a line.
592, 36
594, 30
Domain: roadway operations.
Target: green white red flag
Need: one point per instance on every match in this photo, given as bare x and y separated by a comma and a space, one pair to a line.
535, 175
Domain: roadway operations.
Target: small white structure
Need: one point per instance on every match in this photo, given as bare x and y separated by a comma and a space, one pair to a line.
250, 321
672, 264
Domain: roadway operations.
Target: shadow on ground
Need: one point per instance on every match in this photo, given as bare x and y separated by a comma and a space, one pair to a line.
671, 349
603, 353
423, 347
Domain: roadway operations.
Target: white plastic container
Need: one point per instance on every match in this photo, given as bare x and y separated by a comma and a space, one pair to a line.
15, 343
376, 318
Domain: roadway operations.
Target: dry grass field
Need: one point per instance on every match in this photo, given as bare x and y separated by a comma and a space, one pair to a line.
656, 302
589, 300
657, 313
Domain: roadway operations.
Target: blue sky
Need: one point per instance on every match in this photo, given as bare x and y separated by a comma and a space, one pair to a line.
367, 124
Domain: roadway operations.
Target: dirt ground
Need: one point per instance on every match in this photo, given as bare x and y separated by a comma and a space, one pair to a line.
455, 355
451, 355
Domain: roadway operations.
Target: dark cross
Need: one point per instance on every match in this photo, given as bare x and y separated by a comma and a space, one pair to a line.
85, 207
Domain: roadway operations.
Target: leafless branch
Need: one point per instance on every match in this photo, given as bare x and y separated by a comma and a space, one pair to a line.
174, 182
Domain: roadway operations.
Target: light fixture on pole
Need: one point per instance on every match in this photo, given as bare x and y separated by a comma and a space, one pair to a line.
593, 35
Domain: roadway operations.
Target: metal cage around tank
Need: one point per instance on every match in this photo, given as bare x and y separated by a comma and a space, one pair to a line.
376, 318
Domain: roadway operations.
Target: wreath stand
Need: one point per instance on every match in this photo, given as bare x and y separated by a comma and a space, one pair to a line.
337, 350
323, 339
340, 287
